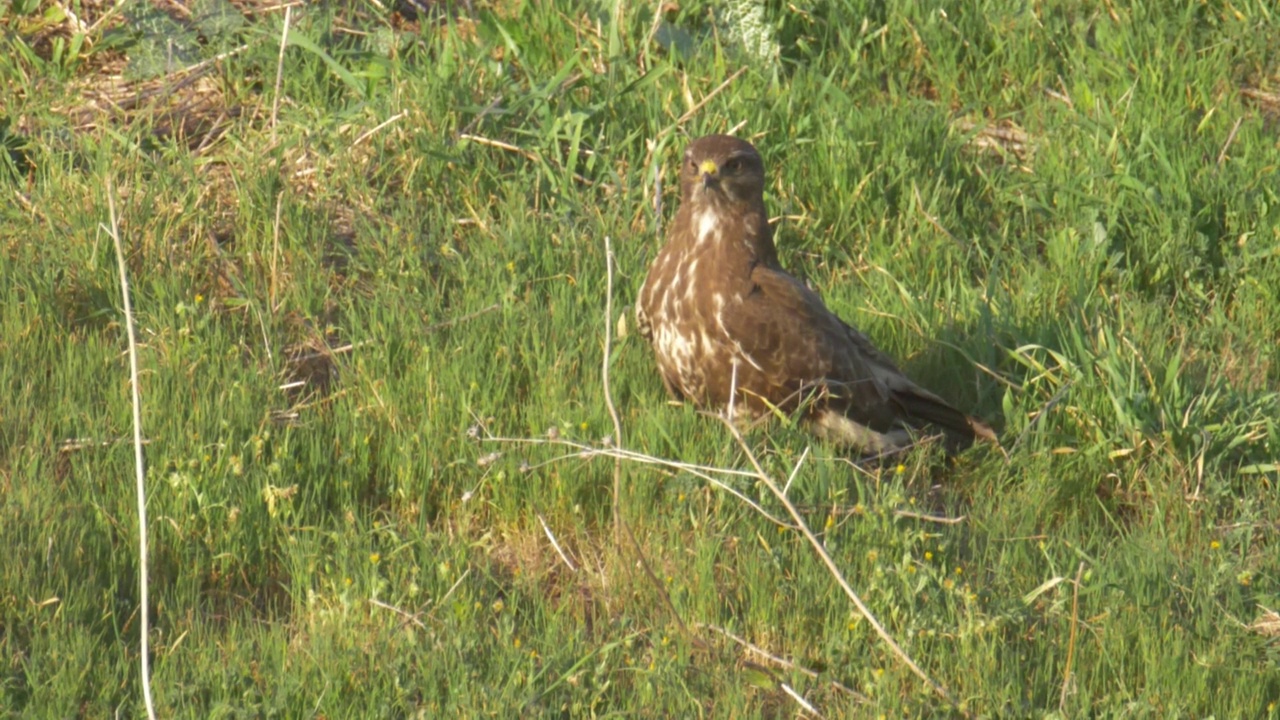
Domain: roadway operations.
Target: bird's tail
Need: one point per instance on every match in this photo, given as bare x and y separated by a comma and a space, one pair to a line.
924, 406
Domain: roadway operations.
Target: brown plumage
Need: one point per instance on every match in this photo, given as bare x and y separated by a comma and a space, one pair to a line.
717, 297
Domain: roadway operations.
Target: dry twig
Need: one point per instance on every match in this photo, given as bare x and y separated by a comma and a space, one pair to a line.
499, 144
585, 452
469, 316
803, 703
555, 544
929, 518
449, 593
1071, 643
367, 133
1231, 137
71, 445
620, 525
783, 662
275, 100
705, 99
834, 570
604, 380
933, 220
144, 651
408, 618
275, 258
528, 155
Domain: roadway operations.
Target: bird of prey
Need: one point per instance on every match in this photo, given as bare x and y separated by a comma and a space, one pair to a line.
724, 317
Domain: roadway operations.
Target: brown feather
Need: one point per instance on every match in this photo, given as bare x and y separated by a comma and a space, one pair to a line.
716, 297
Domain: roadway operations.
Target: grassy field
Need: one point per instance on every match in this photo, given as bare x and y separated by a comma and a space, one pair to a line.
360, 264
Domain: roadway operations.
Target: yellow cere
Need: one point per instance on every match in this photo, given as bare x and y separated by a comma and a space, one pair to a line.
708, 167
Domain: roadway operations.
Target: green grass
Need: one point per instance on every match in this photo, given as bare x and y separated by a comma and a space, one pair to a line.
1109, 296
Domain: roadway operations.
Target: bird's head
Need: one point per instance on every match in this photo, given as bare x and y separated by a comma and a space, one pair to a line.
719, 169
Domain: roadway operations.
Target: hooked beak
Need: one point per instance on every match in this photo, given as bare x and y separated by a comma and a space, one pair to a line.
710, 173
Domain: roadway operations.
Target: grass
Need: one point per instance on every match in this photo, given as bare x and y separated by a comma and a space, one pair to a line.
1060, 215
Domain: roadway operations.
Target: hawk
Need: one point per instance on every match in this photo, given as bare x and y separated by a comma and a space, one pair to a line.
724, 317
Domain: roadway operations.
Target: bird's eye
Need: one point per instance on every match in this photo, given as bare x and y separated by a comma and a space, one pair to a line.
732, 166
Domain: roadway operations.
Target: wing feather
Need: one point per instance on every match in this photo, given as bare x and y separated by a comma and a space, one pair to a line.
789, 332
791, 336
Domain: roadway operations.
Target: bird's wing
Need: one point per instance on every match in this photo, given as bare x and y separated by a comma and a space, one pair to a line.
915, 401
787, 329
784, 329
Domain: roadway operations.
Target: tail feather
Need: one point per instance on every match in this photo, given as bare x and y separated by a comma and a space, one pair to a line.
926, 407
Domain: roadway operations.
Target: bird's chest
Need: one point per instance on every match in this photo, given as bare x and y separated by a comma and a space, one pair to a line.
688, 330
691, 297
